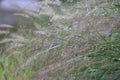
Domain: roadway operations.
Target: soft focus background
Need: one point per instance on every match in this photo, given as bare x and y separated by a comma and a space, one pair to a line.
59, 40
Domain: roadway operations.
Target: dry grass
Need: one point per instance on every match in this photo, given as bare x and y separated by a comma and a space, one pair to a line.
57, 47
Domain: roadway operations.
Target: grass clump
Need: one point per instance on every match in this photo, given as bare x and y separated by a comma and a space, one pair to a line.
105, 56
78, 43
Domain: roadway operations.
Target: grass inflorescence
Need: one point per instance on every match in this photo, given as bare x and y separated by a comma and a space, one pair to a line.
80, 41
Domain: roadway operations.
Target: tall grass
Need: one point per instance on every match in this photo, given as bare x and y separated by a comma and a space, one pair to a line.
80, 42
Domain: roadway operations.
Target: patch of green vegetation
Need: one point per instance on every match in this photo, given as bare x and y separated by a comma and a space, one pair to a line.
69, 1
43, 20
9, 65
25, 73
105, 57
